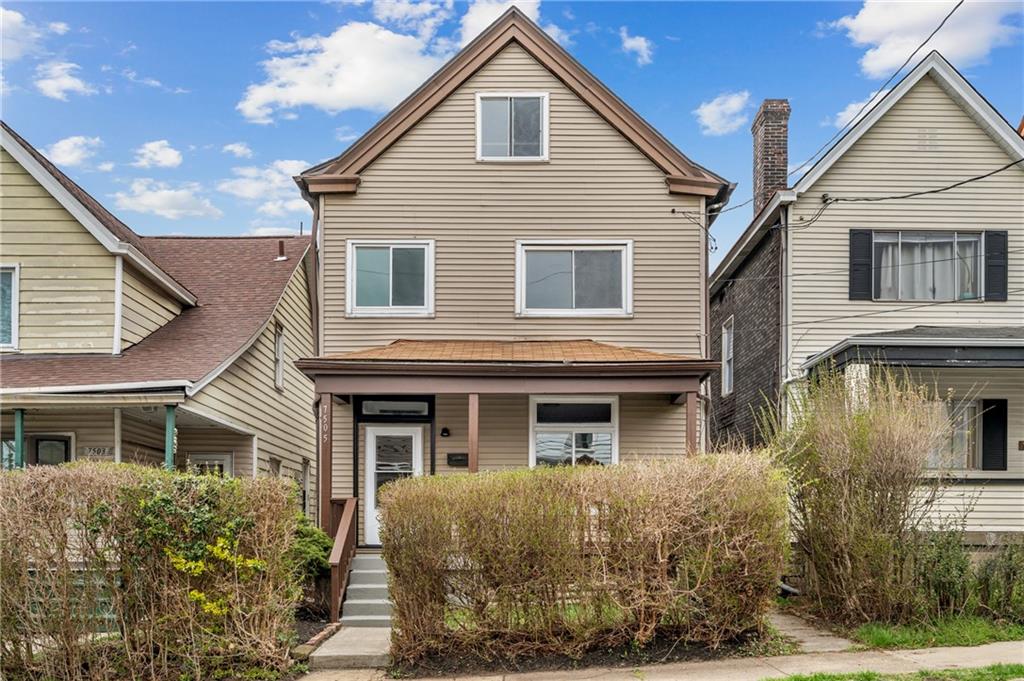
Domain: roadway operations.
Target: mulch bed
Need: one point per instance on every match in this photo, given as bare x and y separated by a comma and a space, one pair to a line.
657, 651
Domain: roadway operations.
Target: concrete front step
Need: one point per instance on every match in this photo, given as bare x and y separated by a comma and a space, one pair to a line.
368, 577
353, 648
358, 607
368, 561
364, 592
366, 621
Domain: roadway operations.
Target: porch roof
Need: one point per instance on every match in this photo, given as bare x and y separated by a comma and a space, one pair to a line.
929, 346
486, 366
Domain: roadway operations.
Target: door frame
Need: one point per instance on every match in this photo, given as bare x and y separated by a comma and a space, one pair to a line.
371, 528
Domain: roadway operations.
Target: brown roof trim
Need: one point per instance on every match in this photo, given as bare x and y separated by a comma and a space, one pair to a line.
514, 26
320, 366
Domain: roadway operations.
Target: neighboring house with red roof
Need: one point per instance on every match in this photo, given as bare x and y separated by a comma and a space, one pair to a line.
160, 350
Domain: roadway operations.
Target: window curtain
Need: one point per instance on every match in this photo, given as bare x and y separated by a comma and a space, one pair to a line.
926, 267
886, 264
968, 265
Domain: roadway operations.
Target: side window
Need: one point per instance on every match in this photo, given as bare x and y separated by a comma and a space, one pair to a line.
390, 278
9, 307
727, 357
279, 357
512, 126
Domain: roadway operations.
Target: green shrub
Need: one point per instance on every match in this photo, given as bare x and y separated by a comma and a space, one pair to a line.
561, 560
311, 550
943, 574
118, 571
857, 454
1001, 583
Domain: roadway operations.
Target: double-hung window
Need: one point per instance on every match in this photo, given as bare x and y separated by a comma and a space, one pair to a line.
8, 307
574, 431
511, 126
279, 357
727, 359
390, 278
574, 278
918, 265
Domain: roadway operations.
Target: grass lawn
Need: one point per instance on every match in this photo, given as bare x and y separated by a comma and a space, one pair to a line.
954, 631
999, 672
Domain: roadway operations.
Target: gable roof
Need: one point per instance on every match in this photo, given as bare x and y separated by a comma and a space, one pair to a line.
239, 281
341, 173
947, 77
113, 234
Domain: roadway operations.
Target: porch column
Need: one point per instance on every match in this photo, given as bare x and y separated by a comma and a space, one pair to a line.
473, 437
325, 440
169, 437
117, 435
691, 422
19, 438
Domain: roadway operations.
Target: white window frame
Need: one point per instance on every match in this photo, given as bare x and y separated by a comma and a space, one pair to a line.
425, 310
623, 245
45, 434
728, 358
15, 270
226, 458
279, 348
612, 427
956, 270
544, 132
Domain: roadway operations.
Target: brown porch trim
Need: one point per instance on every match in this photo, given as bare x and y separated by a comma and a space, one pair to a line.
508, 385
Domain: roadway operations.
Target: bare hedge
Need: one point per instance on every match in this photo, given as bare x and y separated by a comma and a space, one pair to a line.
562, 560
121, 572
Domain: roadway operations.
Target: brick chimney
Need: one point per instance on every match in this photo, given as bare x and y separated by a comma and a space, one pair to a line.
771, 150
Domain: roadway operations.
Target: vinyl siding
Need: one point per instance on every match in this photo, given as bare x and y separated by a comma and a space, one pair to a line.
989, 507
144, 307
90, 427
66, 283
597, 185
649, 425
244, 393
925, 140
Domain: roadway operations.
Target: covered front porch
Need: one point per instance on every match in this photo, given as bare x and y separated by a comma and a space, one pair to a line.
155, 429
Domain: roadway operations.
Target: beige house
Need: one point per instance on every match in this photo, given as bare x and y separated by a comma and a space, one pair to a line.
172, 351
511, 273
903, 245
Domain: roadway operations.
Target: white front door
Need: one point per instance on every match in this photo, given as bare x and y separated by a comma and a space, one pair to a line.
392, 452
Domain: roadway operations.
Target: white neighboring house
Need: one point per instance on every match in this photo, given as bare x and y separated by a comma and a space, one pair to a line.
870, 270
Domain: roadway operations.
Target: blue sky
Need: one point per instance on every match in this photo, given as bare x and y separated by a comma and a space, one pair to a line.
188, 118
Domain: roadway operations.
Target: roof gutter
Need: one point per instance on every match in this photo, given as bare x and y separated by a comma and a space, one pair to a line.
99, 387
876, 342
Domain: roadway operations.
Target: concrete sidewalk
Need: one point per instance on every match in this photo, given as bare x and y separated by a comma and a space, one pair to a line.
754, 668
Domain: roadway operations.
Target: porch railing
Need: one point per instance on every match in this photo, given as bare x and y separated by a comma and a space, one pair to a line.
343, 527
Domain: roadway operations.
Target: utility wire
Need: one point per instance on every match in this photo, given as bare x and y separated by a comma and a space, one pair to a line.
887, 311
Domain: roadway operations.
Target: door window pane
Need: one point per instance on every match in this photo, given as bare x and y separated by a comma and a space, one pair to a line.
6, 306
598, 276
51, 452
526, 126
394, 408
394, 458
968, 266
494, 126
373, 276
408, 272
886, 265
549, 280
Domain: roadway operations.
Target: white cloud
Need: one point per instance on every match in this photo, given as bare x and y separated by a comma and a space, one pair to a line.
105, 167
158, 153
891, 31
724, 114
481, 13
18, 35
55, 79
172, 202
359, 66
237, 149
272, 231
58, 27
346, 133
422, 16
850, 111
637, 45
272, 185
73, 151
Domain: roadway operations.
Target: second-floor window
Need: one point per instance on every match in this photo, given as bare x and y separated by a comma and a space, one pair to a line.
279, 357
512, 126
574, 278
8, 307
727, 357
390, 278
915, 265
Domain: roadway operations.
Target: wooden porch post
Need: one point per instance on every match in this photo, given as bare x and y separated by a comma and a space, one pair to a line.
19, 438
325, 435
474, 432
169, 437
691, 422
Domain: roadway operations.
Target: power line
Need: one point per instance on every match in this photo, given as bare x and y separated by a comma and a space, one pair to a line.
881, 312
870, 100
911, 195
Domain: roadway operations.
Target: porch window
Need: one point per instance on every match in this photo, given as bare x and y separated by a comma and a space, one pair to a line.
961, 450
916, 265
574, 431
393, 278
211, 464
9, 307
512, 126
727, 361
51, 451
574, 278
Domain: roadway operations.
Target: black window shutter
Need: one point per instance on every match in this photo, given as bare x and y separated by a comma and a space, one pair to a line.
995, 264
860, 264
993, 435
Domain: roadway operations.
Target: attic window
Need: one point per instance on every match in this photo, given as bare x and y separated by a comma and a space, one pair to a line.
512, 126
